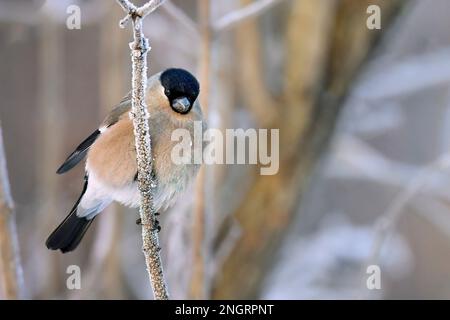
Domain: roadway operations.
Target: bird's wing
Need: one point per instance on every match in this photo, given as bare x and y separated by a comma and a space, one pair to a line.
118, 112
79, 153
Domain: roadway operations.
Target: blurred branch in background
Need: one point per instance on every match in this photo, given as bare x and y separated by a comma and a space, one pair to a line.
11, 276
52, 119
197, 284
267, 210
320, 35
251, 10
387, 222
252, 72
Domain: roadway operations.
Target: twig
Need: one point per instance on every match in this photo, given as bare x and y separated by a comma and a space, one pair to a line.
140, 116
252, 10
149, 7
137, 13
11, 275
197, 284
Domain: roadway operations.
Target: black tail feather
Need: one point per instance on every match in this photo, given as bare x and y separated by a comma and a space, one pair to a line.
68, 234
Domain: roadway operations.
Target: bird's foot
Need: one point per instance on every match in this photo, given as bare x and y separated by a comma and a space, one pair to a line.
139, 221
157, 226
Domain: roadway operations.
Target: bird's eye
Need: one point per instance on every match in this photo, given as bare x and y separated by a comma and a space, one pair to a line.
167, 92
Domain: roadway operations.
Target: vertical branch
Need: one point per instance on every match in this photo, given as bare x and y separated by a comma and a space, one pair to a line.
140, 116
251, 10
249, 48
197, 285
10, 267
205, 52
307, 48
50, 119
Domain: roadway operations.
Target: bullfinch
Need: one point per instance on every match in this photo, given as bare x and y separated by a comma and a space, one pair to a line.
111, 168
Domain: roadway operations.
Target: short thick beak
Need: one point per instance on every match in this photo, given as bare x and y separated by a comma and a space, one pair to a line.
181, 105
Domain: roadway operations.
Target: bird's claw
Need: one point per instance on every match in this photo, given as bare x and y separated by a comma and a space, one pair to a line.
157, 226
139, 221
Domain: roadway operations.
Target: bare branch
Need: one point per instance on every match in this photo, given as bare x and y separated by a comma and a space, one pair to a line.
127, 5
135, 12
129, 8
140, 116
251, 78
252, 10
149, 7
11, 275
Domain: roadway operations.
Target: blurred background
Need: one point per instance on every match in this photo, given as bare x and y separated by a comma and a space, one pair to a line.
364, 119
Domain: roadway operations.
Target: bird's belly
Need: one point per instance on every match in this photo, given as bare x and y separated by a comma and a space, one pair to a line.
164, 195
111, 163
100, 190
113, 157
128, 195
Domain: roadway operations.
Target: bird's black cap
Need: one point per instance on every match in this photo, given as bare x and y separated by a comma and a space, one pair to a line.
179, 83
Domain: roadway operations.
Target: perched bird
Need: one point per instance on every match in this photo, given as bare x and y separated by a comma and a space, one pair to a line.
111, 168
